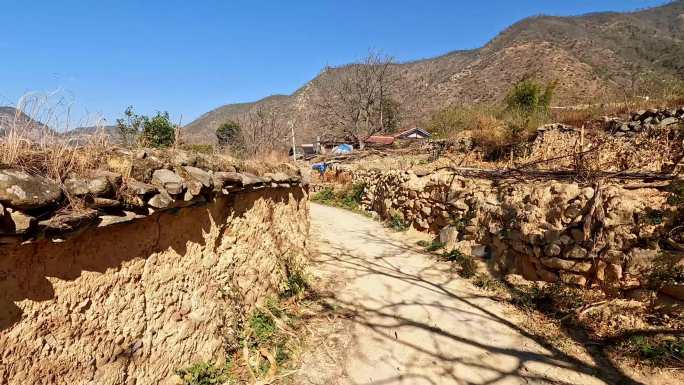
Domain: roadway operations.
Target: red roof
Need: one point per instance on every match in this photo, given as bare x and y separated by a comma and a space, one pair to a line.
376, 139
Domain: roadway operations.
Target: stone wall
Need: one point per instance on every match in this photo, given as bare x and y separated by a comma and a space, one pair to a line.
535, 228
132, 296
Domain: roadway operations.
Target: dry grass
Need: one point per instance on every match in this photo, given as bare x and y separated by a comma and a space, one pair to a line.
31, 145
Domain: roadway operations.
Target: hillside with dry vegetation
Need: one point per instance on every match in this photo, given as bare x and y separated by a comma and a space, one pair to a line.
592, 58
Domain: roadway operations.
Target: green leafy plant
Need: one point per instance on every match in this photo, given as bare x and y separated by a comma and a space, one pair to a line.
530, 96
296, 285
263, 326
204, 373
227, 133
434, 246
396, 222
157, 131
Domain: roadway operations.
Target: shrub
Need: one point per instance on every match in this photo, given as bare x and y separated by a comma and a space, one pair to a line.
396, 221
348, 197
263, 325
296, 285
157, 131
204, 374
556, 299
434, 246
530, 96
227, 133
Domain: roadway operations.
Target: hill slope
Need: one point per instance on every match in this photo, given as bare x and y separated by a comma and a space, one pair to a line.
591, 56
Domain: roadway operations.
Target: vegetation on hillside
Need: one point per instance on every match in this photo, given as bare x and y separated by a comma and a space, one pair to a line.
497, 129
156, 131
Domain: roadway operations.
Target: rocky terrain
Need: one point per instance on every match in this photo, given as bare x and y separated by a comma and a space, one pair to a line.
593, 57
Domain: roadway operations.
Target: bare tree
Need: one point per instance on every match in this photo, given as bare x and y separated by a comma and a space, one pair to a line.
261, 131
355, 100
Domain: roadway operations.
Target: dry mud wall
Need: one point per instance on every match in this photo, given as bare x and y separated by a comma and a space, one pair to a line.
539, 228
131, 303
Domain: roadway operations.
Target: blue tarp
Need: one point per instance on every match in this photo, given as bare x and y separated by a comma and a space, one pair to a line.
343, 149
320, 167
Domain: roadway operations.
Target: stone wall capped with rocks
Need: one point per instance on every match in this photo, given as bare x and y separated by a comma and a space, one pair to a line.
645, 120
535, 228
153, 273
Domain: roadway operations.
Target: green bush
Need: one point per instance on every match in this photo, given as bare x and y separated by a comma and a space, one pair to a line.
263, 325
296, 285
204, 374
530, 96
157, 131
228, 133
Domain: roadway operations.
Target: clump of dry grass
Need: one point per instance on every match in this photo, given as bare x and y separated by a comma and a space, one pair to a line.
32, 145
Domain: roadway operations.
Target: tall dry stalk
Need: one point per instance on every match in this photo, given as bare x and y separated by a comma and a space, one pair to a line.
32, 144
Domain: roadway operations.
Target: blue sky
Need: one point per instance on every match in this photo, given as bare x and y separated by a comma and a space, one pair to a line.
189, 57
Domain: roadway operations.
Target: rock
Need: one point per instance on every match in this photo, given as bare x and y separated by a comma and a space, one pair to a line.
564, 264
68, 222
16, 222
478, 251
426, 210
674, 290
169, 181
102, 203
126, 216
552, 250
576, 252
76, 187
100, 186
199, 175
668, 121
573, 279
23, 191
115, 179
577, 234
250, 180
221, 179
183, 158
547, 276
140, 188
460, 204
668, 305
160, 201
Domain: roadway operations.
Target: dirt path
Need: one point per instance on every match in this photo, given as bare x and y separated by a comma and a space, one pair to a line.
414, 321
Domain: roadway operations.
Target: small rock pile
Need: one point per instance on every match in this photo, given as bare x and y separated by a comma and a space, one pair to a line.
645, 120
132, 185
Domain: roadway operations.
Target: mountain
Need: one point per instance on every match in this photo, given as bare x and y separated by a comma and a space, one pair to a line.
14, 119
